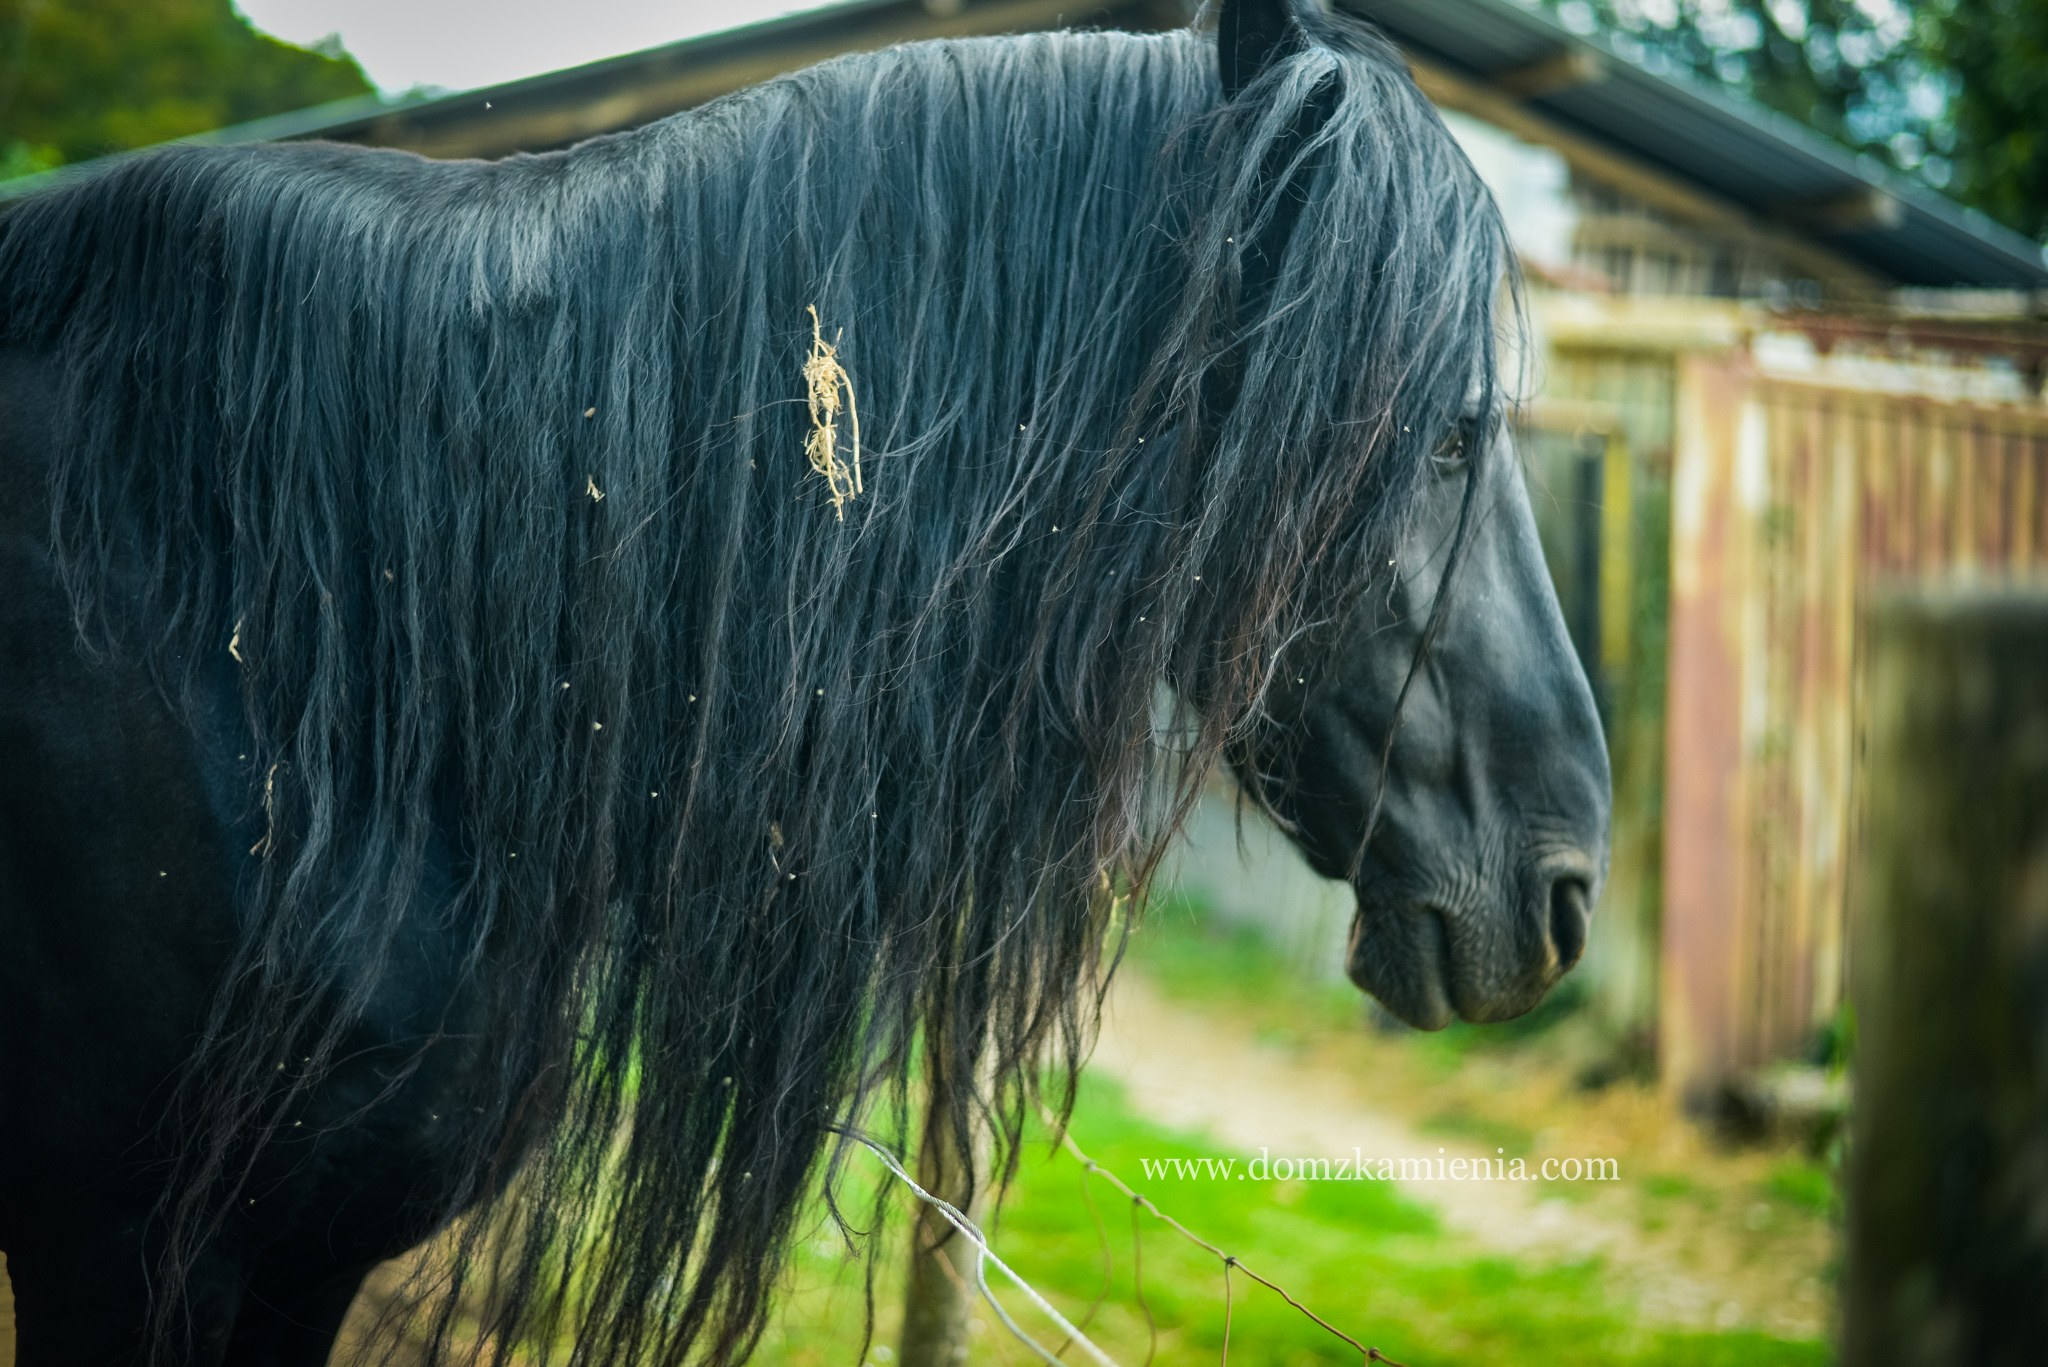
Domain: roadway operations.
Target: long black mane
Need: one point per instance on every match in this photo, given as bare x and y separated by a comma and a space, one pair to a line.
491, 480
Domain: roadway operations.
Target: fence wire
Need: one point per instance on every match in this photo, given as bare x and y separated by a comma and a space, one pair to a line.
1076, 1336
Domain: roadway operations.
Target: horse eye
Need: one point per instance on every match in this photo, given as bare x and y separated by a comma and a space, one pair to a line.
1454, 457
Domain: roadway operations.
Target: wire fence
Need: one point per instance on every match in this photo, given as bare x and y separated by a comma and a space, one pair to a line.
1076, 1333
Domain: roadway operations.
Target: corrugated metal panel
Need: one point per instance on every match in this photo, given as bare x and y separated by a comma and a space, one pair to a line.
1478, 39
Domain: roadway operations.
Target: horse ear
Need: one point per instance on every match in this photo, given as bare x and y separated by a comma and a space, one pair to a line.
1250, 36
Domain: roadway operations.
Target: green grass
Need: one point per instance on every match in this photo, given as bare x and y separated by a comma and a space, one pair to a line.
1805, 1184
1359, 1253
1669, 1184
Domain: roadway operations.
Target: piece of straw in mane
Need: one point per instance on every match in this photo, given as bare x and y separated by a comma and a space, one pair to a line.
826, 381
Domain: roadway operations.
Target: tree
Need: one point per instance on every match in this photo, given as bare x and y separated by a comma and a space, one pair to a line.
1998, 50
81, 78
1954, 91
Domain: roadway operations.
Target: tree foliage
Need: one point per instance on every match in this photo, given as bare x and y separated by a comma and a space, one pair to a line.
1998, 50
1955, 91
81, 78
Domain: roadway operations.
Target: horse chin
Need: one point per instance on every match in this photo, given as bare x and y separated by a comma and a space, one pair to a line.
1405, 957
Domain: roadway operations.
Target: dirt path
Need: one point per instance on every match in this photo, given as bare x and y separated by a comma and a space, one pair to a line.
1191, 1071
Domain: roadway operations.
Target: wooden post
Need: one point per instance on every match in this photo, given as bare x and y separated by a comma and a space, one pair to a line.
1948, 1185
6, 1316
938, 1300
1720, 459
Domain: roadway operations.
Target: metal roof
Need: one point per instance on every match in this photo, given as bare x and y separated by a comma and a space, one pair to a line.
556, 108
1767, 168
1770, 165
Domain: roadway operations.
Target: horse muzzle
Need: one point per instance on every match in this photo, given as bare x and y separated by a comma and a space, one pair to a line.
1430, 962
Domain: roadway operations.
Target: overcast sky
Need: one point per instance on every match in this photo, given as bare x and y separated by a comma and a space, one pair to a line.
462, 44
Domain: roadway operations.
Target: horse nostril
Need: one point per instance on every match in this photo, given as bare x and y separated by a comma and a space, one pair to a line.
1570, 909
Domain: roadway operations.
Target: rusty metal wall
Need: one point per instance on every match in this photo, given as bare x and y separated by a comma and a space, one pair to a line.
1792, 500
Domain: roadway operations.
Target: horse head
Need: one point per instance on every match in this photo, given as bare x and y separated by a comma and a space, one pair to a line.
1442, 755
1441, 751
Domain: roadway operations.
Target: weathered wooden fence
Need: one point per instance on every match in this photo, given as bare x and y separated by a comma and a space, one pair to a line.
1791, 502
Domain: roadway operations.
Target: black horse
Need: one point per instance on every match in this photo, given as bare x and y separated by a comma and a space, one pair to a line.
506, 722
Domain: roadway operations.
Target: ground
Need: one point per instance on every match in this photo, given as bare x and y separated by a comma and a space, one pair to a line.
1191, 1071
1697, 1254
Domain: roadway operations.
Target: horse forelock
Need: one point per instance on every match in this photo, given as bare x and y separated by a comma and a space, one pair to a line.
495, 477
